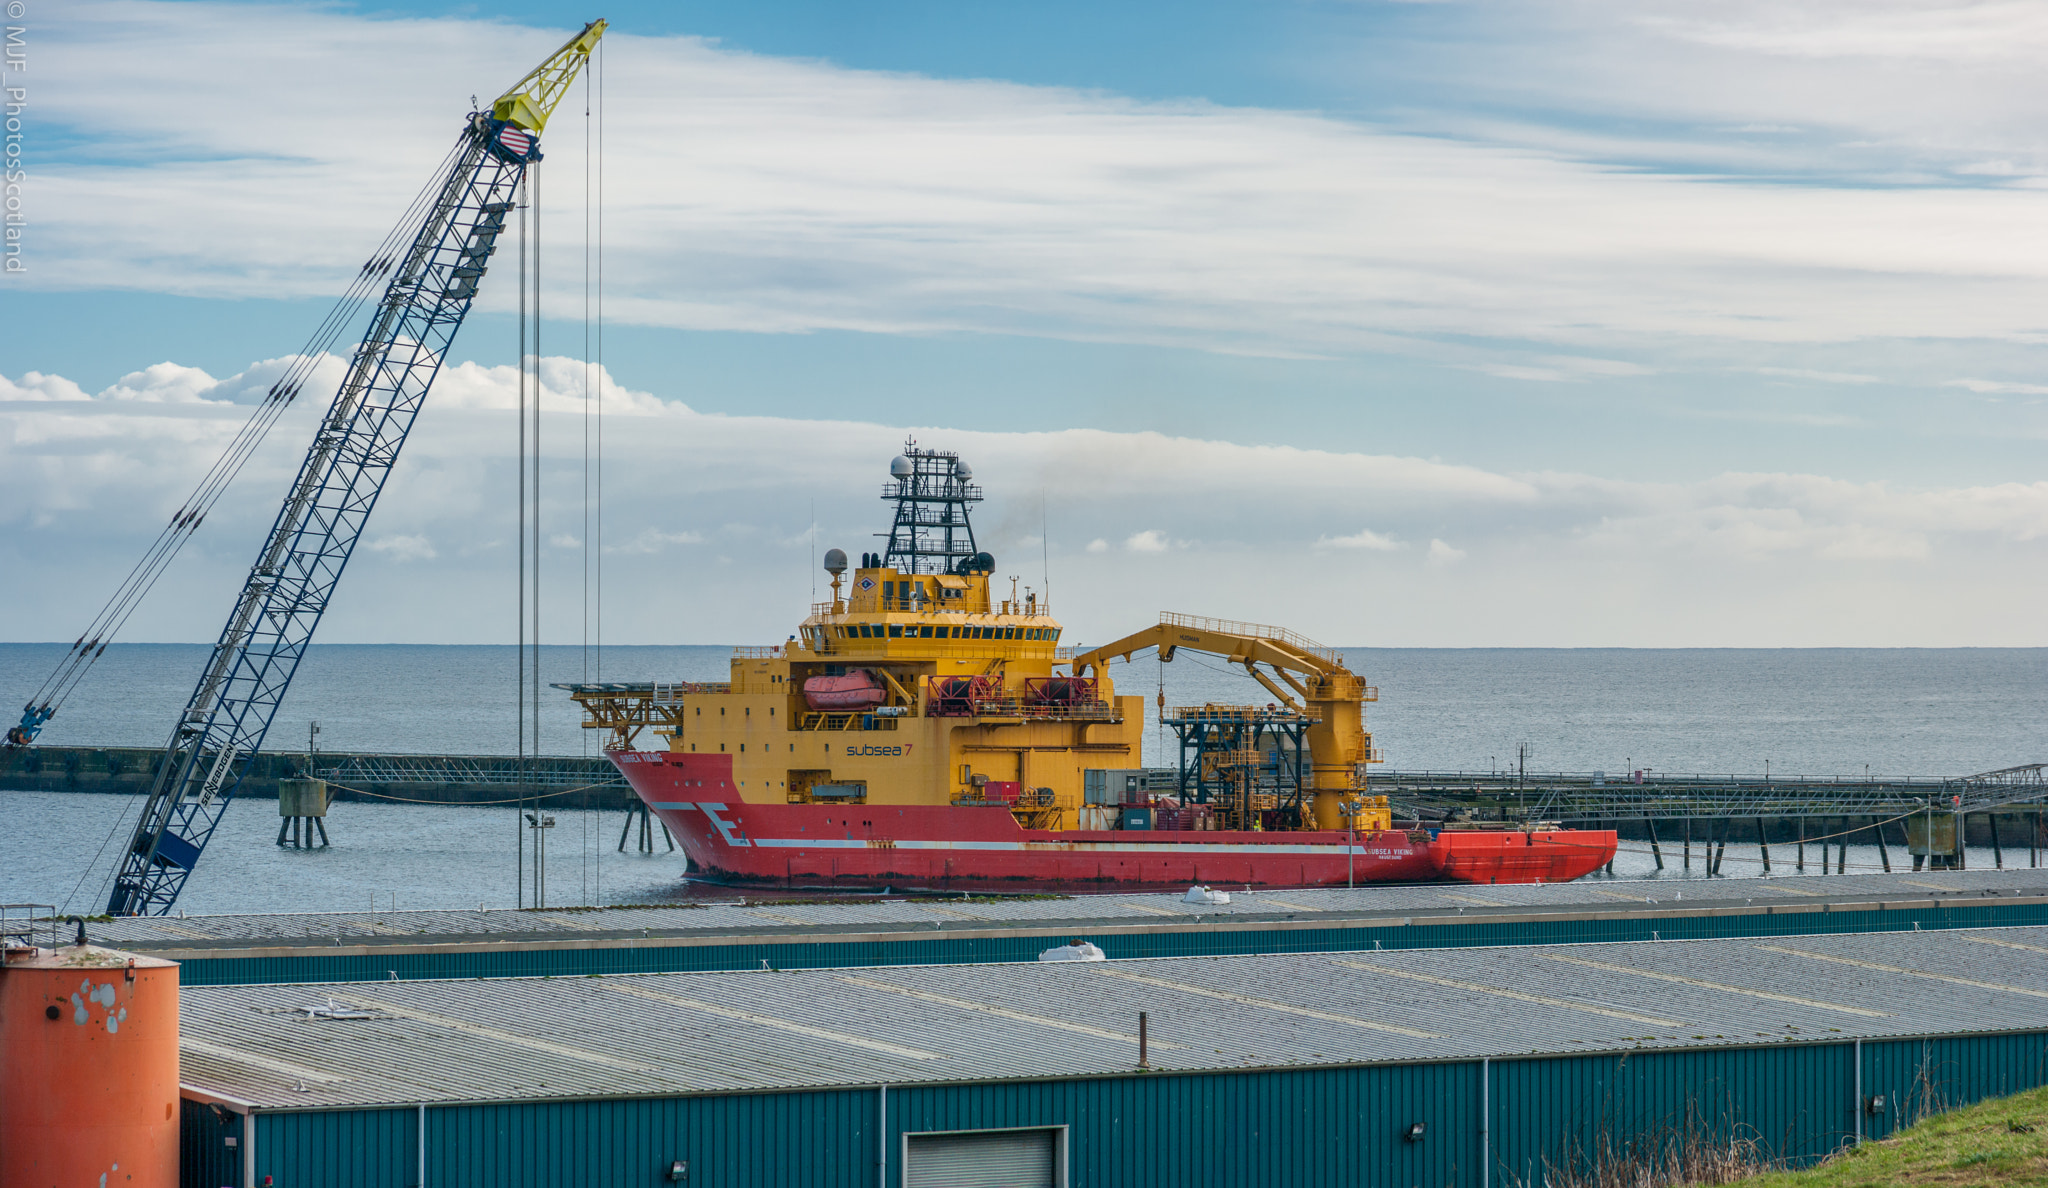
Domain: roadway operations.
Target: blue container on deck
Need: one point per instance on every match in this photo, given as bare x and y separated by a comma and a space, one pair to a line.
1137, 818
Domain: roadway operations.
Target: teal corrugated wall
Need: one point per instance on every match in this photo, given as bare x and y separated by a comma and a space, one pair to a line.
364, 1148
943, 950
792, 1140
204, 1158
1795, 1103
1315, 1126
1310, 1126
1916, 1077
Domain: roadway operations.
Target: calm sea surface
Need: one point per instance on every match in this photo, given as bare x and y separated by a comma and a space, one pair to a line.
1819, 712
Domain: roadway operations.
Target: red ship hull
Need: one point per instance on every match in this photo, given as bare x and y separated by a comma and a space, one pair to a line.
956, 848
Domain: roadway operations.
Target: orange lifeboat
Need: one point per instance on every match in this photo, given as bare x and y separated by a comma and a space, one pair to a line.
857, 690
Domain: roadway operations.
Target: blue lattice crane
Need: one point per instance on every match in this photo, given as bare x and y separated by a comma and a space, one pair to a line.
433, 280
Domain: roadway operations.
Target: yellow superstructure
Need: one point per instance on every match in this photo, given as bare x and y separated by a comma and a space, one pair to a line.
969, 704
924, 681
908, 631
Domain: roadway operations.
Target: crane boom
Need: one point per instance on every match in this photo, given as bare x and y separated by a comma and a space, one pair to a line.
1332, 694
432, 286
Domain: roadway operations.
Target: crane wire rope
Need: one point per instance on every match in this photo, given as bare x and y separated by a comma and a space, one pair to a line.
71, 672
533, 686
583, 850
91, 644
597, 536
527, 709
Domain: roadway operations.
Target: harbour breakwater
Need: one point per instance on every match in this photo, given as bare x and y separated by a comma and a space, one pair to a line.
1831, 810
568, 781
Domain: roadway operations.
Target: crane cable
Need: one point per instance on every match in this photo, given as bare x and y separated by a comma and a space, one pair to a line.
91, 644
70, 672
593, 545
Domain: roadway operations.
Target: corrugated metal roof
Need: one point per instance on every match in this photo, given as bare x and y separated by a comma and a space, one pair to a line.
771, 916
670, 1034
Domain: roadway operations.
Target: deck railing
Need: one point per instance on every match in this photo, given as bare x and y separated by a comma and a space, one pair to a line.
1297, 642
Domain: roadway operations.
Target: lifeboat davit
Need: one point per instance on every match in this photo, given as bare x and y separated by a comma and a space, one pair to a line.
857, 690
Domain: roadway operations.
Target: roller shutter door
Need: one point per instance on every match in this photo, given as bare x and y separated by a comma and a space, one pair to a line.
990, 1159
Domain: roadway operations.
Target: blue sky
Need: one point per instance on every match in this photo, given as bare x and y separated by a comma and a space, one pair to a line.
1596, 323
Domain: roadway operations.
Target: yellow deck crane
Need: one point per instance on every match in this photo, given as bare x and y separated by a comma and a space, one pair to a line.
1306, 676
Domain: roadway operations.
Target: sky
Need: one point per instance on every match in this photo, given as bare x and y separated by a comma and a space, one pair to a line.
1579, 323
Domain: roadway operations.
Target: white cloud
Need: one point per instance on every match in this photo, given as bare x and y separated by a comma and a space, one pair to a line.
165, 383
754, 193
34, 385
1738, 558
404, 548
655, 540
1998, 387
1561, 369
1364, 538
1825, 377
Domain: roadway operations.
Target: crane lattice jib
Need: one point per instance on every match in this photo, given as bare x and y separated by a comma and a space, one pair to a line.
358, 442
532, 99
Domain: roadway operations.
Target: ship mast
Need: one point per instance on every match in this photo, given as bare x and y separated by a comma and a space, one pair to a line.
931, 534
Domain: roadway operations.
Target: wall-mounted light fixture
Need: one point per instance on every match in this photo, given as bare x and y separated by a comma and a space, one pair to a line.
1414, 1132
679, 1171
1874, 1105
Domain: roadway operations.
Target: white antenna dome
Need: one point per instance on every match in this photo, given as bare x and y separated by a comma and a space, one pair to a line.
901, 467
963, 471
835, 561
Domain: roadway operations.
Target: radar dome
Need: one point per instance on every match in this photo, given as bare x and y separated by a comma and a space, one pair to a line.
901, 467
835, 561
963, 471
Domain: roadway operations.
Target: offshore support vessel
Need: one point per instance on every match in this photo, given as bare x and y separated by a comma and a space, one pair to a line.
925, 729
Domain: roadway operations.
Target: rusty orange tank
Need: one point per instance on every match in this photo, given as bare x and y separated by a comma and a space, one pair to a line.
88, 1068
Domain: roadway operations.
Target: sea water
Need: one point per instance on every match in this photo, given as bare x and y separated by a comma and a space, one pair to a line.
1896, 712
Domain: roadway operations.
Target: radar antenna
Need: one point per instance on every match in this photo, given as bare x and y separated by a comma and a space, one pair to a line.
932, 490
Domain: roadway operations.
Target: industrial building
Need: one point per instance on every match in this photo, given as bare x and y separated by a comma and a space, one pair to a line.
380, 945
1464, 1066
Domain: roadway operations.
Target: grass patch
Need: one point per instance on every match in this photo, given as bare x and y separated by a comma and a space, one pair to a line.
2003, 1141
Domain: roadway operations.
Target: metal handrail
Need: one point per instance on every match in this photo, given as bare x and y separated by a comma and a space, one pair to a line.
1298, 642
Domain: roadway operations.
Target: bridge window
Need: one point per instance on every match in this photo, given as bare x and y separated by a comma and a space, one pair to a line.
895, 631
924, 632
